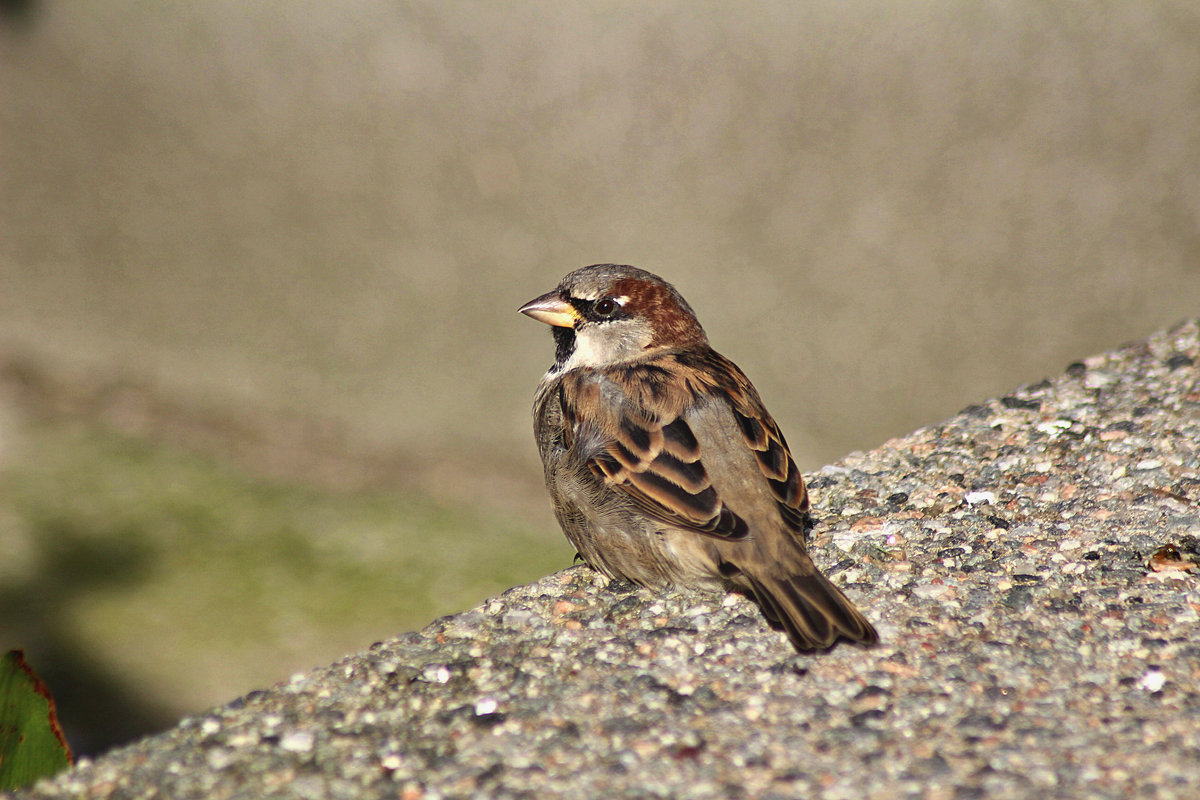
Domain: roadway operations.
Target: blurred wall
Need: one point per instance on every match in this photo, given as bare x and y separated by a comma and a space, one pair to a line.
882, 210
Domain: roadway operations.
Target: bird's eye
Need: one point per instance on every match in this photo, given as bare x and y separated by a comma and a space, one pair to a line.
605, 307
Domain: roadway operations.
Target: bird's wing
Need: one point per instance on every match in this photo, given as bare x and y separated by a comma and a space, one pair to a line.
631, 423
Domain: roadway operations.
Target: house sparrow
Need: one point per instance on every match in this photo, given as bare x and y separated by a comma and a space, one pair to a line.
662, 464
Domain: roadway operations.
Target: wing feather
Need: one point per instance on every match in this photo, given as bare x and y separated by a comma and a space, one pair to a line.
763, 436
647, 450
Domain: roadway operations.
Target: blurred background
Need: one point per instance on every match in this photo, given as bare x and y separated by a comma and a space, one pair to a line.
264, 398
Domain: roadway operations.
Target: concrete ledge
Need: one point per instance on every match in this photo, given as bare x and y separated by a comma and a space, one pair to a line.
1032, 565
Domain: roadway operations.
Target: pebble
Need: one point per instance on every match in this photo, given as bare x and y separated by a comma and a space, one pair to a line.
297, 741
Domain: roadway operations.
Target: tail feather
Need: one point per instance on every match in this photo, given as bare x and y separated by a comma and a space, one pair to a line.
812, 611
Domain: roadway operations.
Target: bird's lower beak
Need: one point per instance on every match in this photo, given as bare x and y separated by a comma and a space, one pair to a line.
551, 309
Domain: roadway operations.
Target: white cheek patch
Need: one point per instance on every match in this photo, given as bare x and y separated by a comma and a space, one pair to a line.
590, 351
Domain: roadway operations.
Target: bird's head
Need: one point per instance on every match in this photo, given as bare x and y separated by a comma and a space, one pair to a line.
610, 314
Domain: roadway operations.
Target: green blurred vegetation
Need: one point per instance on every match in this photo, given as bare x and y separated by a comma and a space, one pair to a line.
142, 573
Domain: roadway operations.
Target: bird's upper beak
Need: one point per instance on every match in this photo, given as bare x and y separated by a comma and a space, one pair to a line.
551, 309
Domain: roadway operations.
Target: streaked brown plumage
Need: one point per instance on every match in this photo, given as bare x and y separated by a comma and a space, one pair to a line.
662, 463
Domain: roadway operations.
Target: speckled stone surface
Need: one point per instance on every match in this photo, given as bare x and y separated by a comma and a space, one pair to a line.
1032, 566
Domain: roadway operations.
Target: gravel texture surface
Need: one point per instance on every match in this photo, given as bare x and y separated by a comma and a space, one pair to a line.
1033, 567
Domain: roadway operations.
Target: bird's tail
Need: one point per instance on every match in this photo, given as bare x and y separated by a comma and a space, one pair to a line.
812, 611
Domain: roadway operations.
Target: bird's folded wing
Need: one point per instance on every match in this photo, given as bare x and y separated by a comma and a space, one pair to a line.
647, 450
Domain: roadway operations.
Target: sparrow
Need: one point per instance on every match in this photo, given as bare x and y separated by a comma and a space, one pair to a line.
662, 463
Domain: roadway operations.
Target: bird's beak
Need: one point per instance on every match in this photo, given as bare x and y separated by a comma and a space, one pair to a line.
551, 309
